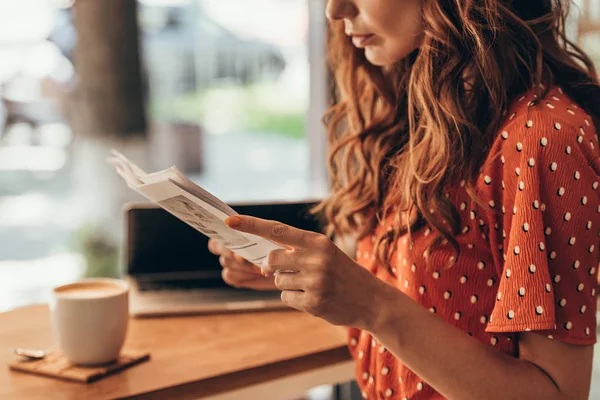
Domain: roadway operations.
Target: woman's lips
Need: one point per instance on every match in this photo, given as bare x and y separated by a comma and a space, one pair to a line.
361, 41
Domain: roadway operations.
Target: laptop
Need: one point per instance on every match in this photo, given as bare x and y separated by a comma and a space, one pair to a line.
172, 272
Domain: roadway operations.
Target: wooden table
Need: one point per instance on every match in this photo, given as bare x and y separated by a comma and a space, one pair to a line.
267, 355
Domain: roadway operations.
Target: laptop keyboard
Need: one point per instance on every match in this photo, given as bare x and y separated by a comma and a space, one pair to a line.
186, 284
176, 295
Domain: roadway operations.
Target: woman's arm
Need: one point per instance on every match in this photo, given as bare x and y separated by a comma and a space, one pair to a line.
332, 286
460, 367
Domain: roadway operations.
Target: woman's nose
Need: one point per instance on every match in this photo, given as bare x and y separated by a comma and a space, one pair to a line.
340, 9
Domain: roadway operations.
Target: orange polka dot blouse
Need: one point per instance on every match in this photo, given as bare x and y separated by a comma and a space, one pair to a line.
528, 249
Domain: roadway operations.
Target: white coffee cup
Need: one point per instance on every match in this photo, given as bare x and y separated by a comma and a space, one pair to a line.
89, 319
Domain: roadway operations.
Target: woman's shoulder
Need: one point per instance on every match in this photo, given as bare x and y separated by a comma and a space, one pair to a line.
555, 107
552, 123
542, 142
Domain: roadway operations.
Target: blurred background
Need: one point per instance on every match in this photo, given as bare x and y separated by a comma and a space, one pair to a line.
220, 88
230, 91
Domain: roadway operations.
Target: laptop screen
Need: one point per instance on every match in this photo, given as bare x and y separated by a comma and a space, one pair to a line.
159, 243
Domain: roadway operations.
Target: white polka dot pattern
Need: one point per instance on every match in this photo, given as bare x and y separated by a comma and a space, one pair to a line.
528, 256
550, 294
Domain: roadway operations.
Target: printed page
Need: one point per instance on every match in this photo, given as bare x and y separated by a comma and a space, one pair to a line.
135, 174
197, 208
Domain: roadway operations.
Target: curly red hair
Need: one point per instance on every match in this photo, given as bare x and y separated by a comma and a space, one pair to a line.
399, 135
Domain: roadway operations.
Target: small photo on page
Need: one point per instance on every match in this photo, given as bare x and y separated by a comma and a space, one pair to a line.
202, 220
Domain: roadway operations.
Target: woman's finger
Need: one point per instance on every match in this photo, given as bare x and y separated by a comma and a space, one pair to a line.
275, 260
240, 276
272, 230
215, 247
294, 299
289, 261
232, 261
240, 260
245, 279
291, 281
218, 249
236, 278
223, 261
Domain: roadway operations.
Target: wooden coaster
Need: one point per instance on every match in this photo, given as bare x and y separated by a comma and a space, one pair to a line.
55, 365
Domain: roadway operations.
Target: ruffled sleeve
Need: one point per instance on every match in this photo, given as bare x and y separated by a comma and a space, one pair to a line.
547, 230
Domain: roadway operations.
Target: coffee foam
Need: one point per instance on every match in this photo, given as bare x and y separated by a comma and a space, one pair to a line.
89, 290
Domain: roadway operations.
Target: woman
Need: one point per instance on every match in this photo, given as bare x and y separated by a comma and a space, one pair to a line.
464, 160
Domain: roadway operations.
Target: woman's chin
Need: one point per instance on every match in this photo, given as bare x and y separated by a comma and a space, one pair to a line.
376, 58
381, 58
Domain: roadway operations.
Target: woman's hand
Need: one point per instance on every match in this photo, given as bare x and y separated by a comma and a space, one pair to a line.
327, 284
239, 272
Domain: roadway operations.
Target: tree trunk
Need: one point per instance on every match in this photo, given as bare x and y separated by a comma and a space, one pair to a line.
108, 98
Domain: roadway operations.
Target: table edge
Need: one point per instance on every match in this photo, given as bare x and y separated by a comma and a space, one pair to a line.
241, 379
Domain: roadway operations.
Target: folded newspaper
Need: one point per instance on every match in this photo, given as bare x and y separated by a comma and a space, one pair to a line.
171, 190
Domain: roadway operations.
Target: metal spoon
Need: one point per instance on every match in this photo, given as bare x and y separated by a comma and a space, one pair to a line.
29, 353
